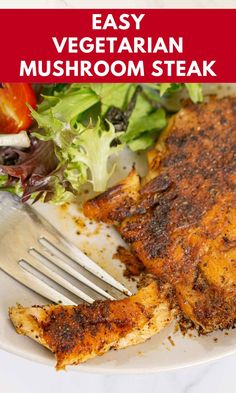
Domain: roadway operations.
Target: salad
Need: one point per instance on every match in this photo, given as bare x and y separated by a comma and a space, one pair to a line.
55, 138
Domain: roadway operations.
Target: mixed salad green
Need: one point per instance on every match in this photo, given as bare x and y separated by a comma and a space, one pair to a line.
79, 127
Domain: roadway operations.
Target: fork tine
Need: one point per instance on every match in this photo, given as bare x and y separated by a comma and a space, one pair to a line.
79, 257
74, 273
32, 229
52, 275
34, 283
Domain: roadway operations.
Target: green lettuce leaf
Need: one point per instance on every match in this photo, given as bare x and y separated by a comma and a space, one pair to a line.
3, 180
111, 94
141, 143
143, 120
60, 120
14, 186
194, 91
90, 152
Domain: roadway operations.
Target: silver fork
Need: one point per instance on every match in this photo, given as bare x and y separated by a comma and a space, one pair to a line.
34, 253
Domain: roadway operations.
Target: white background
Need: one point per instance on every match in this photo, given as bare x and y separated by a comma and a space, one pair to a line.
22, 376
118, 4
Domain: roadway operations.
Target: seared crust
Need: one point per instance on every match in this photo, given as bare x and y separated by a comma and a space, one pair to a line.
134, 267
115, 204
183, 226
78, 333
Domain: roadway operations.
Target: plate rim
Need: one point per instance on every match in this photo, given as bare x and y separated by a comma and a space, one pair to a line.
87, 368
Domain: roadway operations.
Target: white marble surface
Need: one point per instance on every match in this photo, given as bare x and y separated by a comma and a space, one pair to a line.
117, 4
22, 376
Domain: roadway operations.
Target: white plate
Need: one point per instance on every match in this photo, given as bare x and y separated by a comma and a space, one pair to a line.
157, 354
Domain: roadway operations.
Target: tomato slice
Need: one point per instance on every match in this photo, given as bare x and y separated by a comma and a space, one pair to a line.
14, 113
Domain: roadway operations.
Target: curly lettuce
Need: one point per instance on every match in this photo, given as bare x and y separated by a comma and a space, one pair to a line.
92, 149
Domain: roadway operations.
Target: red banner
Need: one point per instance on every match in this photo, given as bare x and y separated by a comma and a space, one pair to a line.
148, 45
